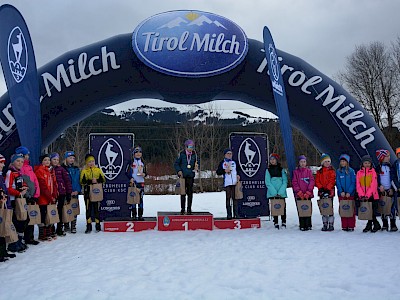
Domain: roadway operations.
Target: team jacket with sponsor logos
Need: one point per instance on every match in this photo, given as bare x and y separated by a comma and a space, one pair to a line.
231, 178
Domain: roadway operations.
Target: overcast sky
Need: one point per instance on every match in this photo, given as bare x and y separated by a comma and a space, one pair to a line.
323, 33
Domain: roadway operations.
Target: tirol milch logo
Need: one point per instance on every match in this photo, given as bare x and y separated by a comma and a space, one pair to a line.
111, 158
249, 157
17, 54
190, 43
275, 70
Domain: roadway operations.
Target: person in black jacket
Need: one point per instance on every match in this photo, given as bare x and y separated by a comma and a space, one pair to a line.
185, 165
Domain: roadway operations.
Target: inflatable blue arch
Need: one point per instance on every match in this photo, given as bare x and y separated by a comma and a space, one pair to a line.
191, 57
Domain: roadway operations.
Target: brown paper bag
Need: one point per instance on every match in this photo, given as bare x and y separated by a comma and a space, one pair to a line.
5, 219
11, 234
385, 205
238, 191
365, 211
346, 208
133, 196
96, 192
325, 206
304, 208
21, 209
277, 207
52, 216
34, 214
67, 213
180, 186
75, 206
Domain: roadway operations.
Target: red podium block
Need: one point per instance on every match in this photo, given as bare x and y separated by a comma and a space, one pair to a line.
222, 223
130, 226
174, 221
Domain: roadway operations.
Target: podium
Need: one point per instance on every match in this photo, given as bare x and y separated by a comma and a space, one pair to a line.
174, 221
128, 225
223, 223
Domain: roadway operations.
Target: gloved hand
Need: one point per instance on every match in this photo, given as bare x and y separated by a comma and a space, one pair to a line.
180, 174
300, 194
390, 192
306, 196
332, 194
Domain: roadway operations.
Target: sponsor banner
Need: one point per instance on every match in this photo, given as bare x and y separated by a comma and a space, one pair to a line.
250, 154
279, 92
113, 153
190, 43
20, 73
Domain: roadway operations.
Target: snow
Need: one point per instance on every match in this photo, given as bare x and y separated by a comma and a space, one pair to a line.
222, 264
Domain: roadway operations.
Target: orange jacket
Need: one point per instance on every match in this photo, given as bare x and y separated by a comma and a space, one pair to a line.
326, 179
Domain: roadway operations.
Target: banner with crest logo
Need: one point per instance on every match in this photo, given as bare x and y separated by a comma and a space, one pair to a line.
112, 153
19, 68
250, 152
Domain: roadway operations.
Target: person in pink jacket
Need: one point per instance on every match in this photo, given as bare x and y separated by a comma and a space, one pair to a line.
367, 190
27, 171
303, 186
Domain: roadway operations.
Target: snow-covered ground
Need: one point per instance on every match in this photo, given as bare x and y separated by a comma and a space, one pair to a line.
222, 264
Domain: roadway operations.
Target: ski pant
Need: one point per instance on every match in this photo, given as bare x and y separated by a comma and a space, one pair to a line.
92, 206
189, 181
60, 204
3, 250
20, 226
349, 222
138, 208
305, 222
328, 219
230, 194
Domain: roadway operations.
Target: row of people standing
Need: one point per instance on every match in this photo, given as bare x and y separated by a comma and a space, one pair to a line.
367, 185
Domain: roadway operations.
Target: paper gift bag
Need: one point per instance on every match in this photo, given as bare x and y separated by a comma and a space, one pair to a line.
238, 191
96, 192
21, 209
5, 219
385, 205
277, 207
11, 234
325, 206
365, 211
180, 186
346, 208
75, 206
133, 196
34, 214
67, 213
304, 208
52, 216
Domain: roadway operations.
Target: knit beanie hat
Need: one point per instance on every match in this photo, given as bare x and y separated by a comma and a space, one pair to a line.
344, 157
189, 142
14, 157
69, 153
89, 157
366, 158
137, 149
325, 157
381, 154
227, 150
301, 157
42, 157
2, 159
22, 150
54, 155
276, 156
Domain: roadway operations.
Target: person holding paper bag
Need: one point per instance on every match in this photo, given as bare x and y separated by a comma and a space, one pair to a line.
227, 167
303, 186
367, 190
48, 194
346, 187
4, 202
136, 172
385, 176
185, 165
276, 182
17, 190
74, 174
325, 181
91, 174
396, 177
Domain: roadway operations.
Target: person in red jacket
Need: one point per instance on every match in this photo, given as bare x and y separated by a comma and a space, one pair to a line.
48, 193
64, 188
367, 190
325, 181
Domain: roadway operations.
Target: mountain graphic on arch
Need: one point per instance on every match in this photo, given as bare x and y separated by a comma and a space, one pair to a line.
200, 21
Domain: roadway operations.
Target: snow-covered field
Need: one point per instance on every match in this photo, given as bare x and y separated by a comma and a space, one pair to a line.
222, 264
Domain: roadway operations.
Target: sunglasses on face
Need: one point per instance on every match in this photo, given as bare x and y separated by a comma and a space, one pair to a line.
190, 147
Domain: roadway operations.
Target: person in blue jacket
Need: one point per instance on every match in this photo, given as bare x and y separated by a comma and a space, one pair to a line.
276, 182
74, 174
346, 187
185, 165
227, 167
4, 201
136, 172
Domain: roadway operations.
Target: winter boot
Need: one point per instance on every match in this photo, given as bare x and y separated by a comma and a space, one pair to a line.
48, 233
393, 226
276, 225
189, 206
325, 227
140, 214
368, 227
134, 212
330, 227
88, 228
3, 259
376, 226
73, 226
20, 241
53, 233
283, 225
385, 224
42, 237
66, 227
10, 255
60, 231
98, 227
